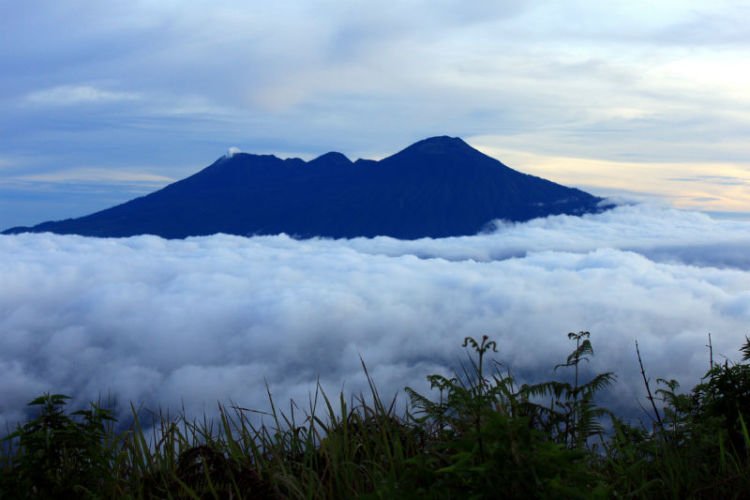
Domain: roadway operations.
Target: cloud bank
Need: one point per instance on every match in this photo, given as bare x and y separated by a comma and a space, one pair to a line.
187, 323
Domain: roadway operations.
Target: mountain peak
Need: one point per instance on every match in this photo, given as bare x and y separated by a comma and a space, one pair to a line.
331, 158
442, 140
439, 145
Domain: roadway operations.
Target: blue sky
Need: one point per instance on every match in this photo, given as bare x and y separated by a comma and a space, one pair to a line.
104, 101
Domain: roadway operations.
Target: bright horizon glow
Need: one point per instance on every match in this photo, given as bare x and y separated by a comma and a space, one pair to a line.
698, 186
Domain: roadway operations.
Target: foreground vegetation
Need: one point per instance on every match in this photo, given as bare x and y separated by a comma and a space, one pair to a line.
480, 435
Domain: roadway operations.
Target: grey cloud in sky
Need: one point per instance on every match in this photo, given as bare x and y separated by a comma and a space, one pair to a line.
69, 95
713, 179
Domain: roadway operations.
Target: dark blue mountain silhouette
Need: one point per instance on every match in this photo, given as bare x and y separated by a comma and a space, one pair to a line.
437, 187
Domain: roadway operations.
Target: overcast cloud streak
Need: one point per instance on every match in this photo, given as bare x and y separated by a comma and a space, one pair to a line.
192, 322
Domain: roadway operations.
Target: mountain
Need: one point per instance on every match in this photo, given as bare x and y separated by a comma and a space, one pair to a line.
435, 188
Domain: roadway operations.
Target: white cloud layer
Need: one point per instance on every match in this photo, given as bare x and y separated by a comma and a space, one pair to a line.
173, 323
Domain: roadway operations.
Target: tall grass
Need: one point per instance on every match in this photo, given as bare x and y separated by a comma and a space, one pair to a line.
479, 435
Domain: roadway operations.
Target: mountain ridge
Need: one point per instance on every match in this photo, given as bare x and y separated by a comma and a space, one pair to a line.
436, 187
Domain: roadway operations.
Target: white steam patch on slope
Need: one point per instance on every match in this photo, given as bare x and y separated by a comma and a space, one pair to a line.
187, 323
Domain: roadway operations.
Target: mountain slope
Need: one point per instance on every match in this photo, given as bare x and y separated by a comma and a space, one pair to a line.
435, 188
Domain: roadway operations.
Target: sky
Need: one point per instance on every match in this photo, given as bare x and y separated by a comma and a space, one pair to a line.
183, 324
104, 101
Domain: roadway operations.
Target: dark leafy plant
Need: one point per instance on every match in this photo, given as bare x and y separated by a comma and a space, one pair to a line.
485, 432
58, 455
699, 449
571, 417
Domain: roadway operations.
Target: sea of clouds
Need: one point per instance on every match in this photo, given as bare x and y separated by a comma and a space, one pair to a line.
184, 324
